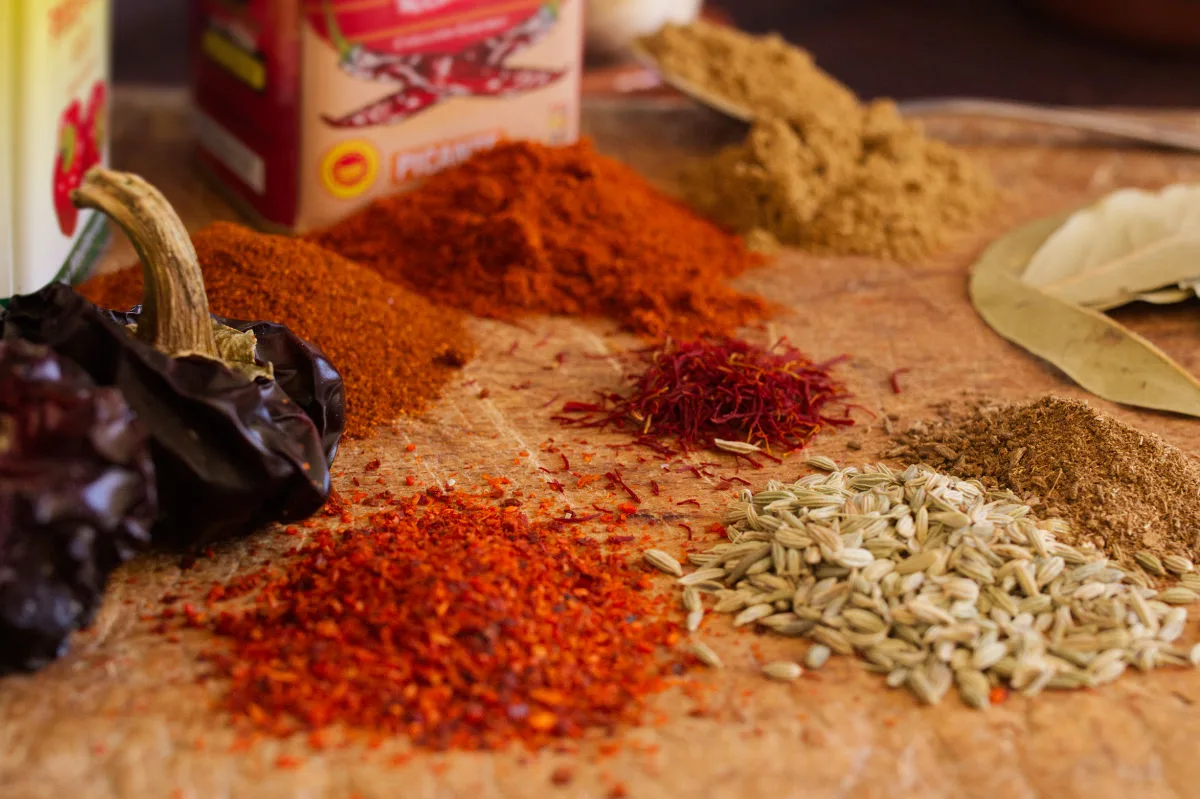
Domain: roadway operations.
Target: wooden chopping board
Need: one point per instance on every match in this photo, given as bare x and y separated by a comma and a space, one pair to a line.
123, 716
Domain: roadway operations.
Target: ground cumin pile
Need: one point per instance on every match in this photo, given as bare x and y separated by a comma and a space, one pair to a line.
1119, 488
394, 349
818, 169
527, 228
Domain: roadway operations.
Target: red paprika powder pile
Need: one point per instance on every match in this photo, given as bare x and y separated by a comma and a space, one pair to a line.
528, 228
448, 619
394, 349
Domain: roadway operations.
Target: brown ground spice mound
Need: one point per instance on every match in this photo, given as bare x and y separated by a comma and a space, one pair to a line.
1119, 488
394, 349
819, 170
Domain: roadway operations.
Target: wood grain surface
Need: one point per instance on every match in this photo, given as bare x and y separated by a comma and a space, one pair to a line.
123, 715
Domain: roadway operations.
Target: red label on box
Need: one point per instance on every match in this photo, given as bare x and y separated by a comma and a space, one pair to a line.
310, 108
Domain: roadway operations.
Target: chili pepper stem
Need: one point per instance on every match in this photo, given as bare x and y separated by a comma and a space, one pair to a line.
175, 315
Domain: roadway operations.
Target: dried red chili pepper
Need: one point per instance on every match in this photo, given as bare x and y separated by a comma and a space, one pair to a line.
456, 622
232, 449
77, 499
696, 391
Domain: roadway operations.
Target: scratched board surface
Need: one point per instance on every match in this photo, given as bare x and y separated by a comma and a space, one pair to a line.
123, 715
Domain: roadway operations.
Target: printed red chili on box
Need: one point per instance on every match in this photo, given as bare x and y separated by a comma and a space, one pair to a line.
308, 109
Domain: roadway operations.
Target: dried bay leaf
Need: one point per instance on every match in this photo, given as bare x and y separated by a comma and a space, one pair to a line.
1130, 244
1096, 352
1167, 296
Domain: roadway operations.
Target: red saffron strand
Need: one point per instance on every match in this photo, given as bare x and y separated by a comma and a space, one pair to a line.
690, 393
615, 478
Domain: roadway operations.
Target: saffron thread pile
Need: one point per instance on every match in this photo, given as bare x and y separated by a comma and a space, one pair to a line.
710, 392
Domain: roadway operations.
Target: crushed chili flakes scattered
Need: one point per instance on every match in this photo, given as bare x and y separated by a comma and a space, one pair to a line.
693, 392
451, 620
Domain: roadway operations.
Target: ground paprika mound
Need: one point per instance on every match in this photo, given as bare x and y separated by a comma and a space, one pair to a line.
527, 228
394, 349
450, 619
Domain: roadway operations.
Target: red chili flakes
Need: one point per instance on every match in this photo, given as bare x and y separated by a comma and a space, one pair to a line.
410, 448
287, 761
562, 775
452, 621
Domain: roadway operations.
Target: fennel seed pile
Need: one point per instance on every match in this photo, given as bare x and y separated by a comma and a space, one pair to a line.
935, 582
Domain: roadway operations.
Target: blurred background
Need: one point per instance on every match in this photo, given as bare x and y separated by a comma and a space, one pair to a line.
1049, 51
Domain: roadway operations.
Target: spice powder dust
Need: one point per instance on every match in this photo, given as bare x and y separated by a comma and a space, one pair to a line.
1118, 487
526, 228
818, 169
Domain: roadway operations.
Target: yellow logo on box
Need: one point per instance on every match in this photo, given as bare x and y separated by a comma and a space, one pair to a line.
349, 168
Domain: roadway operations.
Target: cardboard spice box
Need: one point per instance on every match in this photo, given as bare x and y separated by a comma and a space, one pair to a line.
308, 109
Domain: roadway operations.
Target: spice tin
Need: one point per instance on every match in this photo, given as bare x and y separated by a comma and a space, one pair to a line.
308, 109
53, 120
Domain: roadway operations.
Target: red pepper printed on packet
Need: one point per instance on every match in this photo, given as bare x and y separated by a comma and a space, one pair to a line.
93, 126
68, 166
426, 77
